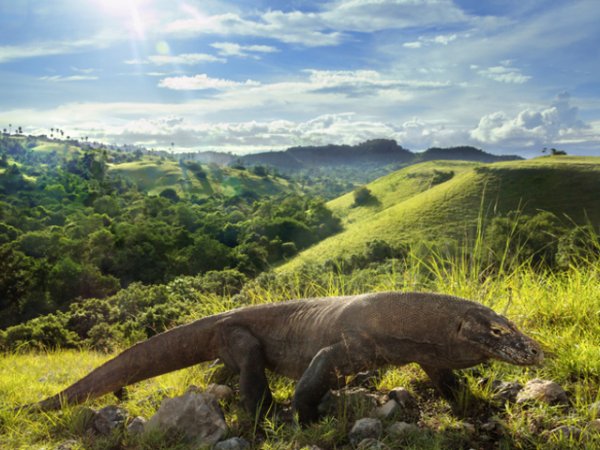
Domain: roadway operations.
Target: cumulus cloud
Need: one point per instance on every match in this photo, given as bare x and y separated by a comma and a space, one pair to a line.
202, 81
249, 136
531, 127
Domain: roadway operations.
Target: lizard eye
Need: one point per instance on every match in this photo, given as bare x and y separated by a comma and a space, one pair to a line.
496, 331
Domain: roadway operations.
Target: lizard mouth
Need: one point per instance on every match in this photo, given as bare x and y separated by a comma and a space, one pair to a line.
527, 355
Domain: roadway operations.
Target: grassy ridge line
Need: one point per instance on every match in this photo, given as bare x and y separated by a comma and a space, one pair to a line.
395, 188
560, 310
566, 186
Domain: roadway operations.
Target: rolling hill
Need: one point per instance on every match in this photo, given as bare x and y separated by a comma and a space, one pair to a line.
153, 175
410, 208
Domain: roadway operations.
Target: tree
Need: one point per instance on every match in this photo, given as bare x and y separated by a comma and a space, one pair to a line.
363, 196
170, 194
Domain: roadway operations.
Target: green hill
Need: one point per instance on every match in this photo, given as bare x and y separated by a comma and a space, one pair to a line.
153, 175
410, 208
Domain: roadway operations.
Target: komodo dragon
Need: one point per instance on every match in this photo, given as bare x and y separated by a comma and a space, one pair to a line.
315, 341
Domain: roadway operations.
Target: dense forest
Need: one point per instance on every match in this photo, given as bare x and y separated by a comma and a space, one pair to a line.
70, 229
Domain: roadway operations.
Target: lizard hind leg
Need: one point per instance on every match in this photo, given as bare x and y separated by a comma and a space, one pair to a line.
242, 352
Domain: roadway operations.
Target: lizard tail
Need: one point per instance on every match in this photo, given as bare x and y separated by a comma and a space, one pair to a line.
174, 349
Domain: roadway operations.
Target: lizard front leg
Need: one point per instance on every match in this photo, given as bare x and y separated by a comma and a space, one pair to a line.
322, 375
452, 387
242, 352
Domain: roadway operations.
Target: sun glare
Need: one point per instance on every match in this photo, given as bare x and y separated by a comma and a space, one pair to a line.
129, 13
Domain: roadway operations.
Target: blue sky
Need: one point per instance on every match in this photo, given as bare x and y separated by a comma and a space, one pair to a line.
507, 76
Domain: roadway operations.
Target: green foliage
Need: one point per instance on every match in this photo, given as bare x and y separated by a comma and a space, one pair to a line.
72, 226
363, 196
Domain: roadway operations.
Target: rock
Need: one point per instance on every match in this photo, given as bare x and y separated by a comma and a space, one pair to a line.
401, 429
365, 428
365, 379
564, 432
386, 410
468, 427
136, 426
594, 425
506, 391
491, 425
403, 397
109, 419
68, 445
371, 444
234, 443
594, 410
408, 410
197, 416
356, 399
543, 391
220, 391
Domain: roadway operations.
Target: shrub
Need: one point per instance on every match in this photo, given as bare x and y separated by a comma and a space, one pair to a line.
363, 196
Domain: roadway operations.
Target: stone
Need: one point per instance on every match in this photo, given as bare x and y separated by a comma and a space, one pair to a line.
355, 399
545, 391
196, 416
401, 429
402, 397
136, 426
371, 444
68, 445
220, 391
506, 391
564, 432
594, 425
594, 410
234, 443
386, 410
468, 427
109, 419
365, 428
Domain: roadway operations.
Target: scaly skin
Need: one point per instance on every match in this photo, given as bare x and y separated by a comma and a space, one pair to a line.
316, 340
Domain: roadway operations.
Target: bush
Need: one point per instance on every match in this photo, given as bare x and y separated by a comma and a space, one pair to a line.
47, 332
363, 196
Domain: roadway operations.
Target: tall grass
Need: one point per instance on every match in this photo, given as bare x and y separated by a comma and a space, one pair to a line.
560, 309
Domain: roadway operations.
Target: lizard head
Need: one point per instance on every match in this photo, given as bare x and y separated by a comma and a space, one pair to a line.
497, 337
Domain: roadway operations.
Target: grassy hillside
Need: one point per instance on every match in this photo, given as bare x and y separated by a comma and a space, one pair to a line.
410, 209
153, 175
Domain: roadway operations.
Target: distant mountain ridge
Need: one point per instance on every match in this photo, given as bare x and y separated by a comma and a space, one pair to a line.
376, 152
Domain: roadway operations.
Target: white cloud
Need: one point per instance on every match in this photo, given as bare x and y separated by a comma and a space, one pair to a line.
187, 59
234, 49
50, 48
293, 28
61, 78
532, 127
504, 74
442, 39
326, 27
202, 81
184, 59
